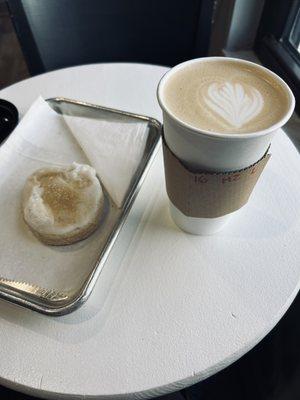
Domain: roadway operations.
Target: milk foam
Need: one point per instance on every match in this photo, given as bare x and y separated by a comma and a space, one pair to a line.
226, 96
232, 103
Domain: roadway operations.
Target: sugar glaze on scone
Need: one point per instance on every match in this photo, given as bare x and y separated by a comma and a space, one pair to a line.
62, 205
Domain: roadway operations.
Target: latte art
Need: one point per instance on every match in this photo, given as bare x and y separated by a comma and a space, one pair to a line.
231, 102
225, 97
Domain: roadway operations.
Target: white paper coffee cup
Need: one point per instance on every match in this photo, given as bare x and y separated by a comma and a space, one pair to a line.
213, 151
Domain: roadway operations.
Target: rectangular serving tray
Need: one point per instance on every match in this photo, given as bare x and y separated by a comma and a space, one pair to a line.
57, 302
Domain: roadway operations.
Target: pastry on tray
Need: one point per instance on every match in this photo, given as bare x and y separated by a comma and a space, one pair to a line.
62, 205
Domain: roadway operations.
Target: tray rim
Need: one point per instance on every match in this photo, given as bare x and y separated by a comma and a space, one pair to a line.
23, 298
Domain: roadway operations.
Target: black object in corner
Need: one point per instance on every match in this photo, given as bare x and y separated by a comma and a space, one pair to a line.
9, 117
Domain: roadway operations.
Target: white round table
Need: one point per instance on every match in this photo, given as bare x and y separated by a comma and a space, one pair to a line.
169, 309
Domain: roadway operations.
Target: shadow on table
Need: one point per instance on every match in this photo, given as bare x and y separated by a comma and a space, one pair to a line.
270, 371
79, 326
7, 394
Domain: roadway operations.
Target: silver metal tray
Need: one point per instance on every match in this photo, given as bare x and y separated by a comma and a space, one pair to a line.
56, 302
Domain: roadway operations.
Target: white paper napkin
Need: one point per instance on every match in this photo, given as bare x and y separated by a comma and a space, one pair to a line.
43, 135
43, 138
113, 148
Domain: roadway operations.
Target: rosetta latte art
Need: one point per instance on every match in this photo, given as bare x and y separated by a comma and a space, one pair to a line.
231, 102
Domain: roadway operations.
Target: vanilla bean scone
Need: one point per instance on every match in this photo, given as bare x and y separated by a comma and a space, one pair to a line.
62, 205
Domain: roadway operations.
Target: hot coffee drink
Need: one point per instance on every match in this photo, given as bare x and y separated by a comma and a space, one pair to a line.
219, 115
226, 96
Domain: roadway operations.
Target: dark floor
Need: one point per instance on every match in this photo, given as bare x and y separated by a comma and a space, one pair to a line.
271, 371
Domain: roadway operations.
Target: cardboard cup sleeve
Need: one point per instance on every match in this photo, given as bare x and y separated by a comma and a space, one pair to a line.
203, 194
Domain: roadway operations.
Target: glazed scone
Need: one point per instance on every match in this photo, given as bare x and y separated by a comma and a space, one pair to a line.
62, 205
